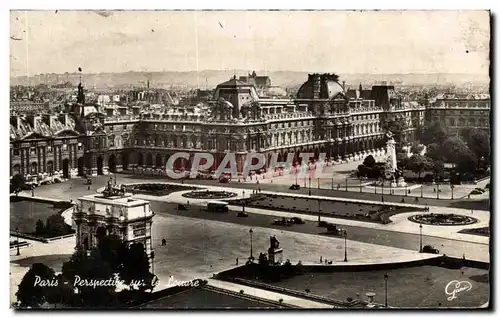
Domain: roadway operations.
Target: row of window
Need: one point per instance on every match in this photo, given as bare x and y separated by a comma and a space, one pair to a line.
49, 149
470, 122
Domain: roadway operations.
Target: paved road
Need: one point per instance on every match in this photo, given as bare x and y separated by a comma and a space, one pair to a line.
76, 188
360, 234
460, 203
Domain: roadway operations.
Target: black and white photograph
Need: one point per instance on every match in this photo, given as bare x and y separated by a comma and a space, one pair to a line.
249, 159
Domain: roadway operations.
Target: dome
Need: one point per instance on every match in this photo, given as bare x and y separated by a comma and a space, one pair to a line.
324, 86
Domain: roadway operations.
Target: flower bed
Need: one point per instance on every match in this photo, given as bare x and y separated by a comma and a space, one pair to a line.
209, 195
156, 189
442, 219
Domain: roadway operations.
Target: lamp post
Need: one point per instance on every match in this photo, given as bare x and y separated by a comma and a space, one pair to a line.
421, 190
421, 249
386, 277
452, 187
243, 200
251, 244
153, 261
437, 192
319, 211
345, 246
382, 190
360, 188
309, 185
346, 184
318, 183
17, 241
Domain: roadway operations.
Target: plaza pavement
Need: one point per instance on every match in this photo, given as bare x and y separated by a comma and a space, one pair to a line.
400, 222
199, 248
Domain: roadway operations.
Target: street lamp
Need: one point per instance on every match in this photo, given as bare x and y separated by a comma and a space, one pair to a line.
17, 234
386, 277
421, 249
452, 187
251, 244
319, 211
345, 246
153, 261
318, 183
243, 200
437, 192
346, 184
309, 185
360, 188
382, 190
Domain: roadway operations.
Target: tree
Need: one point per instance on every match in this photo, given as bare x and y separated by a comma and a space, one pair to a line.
56, 226
453, 148
398, 128
369, 161
417, 148
434, 152
135, 265
39, 228
31, 291
402, 160
478, 142
112, 250
433, 133
83, 267
419, 164
17, 183
263, 259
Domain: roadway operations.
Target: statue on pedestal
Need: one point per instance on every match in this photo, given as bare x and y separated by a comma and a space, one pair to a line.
274, 251
274, 243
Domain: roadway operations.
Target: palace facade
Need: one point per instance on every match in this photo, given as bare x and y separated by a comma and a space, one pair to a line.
323, 118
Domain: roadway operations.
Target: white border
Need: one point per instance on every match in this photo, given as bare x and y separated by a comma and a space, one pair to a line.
189, 4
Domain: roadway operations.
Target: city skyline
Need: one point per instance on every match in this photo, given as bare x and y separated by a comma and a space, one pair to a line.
183, 41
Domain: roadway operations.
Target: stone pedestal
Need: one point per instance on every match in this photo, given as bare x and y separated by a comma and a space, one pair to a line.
275, 256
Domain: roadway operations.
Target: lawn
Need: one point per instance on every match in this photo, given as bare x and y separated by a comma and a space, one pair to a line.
364, 212
157, 189
25, 213
422, 286
482, 231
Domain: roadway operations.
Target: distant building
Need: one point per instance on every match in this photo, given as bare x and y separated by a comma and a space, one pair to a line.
457, 111
258, 81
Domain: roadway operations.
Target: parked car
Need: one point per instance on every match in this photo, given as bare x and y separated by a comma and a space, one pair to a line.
294, 187
323, 224
297, 220
182, 207
242, 214
282, 221
430, 249
333, 229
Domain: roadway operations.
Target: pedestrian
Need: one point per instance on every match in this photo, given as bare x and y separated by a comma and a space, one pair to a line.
463, 257
259, 189
472, 211
321, 259
32, 192
236, 261
88, 188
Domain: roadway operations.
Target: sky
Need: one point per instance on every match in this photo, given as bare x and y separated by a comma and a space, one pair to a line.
374, 42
